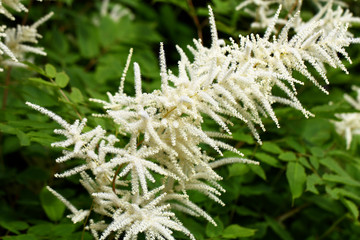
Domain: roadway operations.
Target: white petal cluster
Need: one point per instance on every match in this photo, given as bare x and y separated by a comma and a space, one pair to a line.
15, 41
349, 123
15, 5
263, 10
137, 186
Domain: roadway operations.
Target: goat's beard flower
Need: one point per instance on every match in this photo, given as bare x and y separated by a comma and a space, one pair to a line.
165, 127
348, 124
16, 40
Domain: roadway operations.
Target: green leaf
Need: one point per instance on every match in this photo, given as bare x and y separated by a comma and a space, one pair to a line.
271, 147
332, 164
237, 231
352, 207
288, 156
305, 162
214, 231
42, 81
64, 229
76, 95
50, 70
327, 203
294, 144
278, 229
41, 229
338, 193
341, 179
317, 151
263, 157
243, 211
34, 67
258, 170
21, 237
52, 206
87, 39
242, 137
311, 181
24, 139
237, 169
107, 29
14, 226
61, 79
296, 176
315, 162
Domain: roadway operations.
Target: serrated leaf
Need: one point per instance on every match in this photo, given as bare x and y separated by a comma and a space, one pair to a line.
237, 169
271, 147
41, 229
14, 226
263, 157
318, 152
288, 156
242, 137
64, 229
76, 95
338, 193
258, 170
237, 231
327, 203
61, 79
52, 206
34, 67
214, 231
296, 176
315, 162
50, 70
42, 81
304, 162
311, 182
352, 207
341, 179
23, 138
331, 164
291, 142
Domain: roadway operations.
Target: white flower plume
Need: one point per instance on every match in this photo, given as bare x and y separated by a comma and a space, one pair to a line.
137, 186
349, 123
15, 5
17, 41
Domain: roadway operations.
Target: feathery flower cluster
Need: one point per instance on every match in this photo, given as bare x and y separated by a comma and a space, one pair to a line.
263, 10
15, 40
349, 123
137, 187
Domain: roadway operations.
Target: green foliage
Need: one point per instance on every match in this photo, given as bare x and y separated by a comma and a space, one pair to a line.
306, 187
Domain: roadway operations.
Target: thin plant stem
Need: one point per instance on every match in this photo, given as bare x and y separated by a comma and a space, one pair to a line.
195, 19
6, 89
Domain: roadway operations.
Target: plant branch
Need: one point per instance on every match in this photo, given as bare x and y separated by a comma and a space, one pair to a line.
192, 13
6, 89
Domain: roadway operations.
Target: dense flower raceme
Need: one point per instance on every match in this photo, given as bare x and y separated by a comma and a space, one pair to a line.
164, 127
349, 123
263, 10
15, 41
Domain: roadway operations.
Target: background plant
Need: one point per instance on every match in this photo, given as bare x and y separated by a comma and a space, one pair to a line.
89, 55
